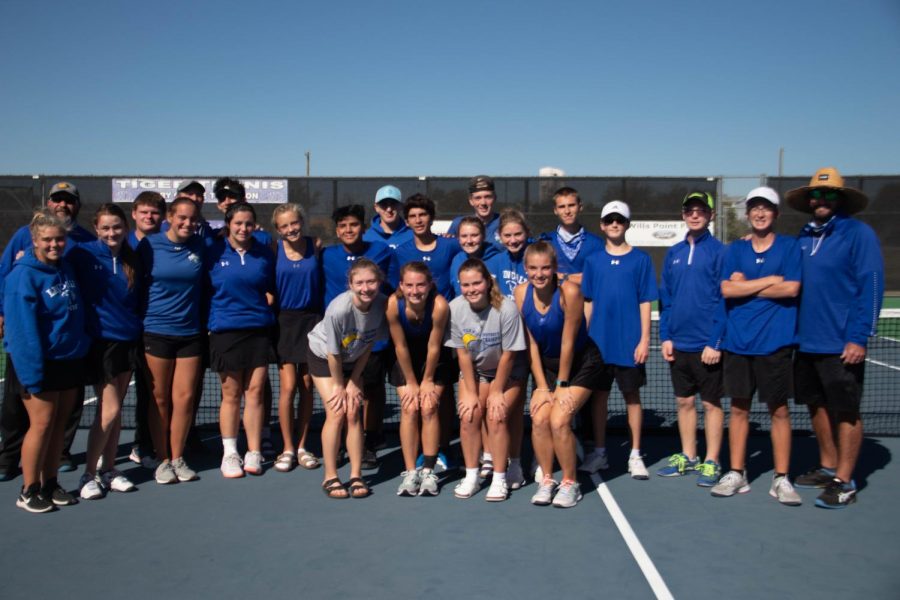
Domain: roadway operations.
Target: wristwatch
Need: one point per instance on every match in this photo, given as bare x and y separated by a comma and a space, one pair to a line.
562, 383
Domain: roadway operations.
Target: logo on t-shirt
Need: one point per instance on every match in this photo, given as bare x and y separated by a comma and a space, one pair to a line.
614, 261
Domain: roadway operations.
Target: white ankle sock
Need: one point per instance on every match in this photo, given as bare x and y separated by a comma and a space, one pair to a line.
229, 445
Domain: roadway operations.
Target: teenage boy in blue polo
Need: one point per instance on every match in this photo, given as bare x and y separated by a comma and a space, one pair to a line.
691, 325
760, 284
572, 242
619, 285
843, 284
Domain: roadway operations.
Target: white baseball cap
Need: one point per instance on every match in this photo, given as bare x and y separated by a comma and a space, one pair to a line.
615, 207
765, 193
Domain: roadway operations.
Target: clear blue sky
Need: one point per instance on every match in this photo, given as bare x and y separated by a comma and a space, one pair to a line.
429, 88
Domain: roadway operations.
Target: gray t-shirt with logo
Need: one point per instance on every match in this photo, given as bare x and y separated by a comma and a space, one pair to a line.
485, 334
346, 330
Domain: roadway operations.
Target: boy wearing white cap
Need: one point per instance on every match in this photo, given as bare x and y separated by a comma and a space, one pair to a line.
761, 285
619, 284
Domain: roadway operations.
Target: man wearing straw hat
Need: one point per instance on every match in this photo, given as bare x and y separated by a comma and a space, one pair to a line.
843, 283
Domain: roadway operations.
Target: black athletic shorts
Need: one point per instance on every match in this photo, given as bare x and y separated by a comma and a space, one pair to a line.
587, 368
108, 359
318, 367
240, 349
174, 346
771, 375
379, 365
824, 380
59, 375
629, 379
446, 372
691, 377
292, 343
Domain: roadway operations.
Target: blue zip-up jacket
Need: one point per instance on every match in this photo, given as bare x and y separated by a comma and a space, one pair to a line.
45, 318
376, 234
113, 310
843, 285
21, 241
691, 307
239, 286
592, 244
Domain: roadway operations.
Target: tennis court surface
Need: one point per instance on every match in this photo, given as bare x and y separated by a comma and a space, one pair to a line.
279, 536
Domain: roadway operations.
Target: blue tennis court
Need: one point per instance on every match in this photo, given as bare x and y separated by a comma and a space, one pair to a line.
279, 535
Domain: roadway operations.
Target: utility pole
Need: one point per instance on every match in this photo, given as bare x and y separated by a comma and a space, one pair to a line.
781, 161
307, 162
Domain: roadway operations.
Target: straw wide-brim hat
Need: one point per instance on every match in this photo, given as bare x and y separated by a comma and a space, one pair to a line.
852, 200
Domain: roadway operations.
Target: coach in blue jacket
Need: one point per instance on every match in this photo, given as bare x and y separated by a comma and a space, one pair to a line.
843, 282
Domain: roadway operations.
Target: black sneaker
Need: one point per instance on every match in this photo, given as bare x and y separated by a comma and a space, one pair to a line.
816, 478
837, 494
32, 501
55, 493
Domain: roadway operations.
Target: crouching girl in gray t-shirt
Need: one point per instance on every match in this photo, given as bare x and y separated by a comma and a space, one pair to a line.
486, 329
339, 348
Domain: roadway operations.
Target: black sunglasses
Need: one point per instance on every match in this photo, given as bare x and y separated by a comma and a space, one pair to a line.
614, 219
829, 195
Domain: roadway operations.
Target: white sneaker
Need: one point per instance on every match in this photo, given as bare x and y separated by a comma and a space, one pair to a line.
498, 492
114, 481
593, 462
784, 492
253, 462
232, 466
544, 494
568, 495
637, 469
410, 484
730, 484
515, 478
466, 488
135, 455
429, 483
90, 487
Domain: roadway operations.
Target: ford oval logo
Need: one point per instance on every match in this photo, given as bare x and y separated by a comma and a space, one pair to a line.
664, 235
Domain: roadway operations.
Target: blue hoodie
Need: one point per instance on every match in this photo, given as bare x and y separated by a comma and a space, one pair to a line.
113, 310
21, 241
45, 318
843, 284
691, 307
376, 234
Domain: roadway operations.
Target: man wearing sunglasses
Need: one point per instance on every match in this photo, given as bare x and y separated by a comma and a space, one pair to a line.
691, 326
65, 201
843, 284
619, 285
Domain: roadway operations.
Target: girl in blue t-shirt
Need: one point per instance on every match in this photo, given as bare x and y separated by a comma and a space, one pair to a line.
508, 267
242, 281
109, 271
298, 280
172, 265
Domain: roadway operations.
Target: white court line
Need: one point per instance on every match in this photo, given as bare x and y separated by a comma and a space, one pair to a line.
882, 364
660, 590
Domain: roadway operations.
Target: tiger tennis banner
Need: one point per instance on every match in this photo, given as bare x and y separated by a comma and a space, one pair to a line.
259, 191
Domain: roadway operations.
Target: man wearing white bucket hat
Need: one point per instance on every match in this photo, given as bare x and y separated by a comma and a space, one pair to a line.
843, 284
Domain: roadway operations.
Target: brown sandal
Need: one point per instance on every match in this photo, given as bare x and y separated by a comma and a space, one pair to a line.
332, 486
358, 487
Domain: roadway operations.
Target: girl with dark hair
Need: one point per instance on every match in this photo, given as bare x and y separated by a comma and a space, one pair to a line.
46, 343
172, 265
110, 275
471, 235
486, 330
242, 287
339, 348
298, 278
565, 365
417, 316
